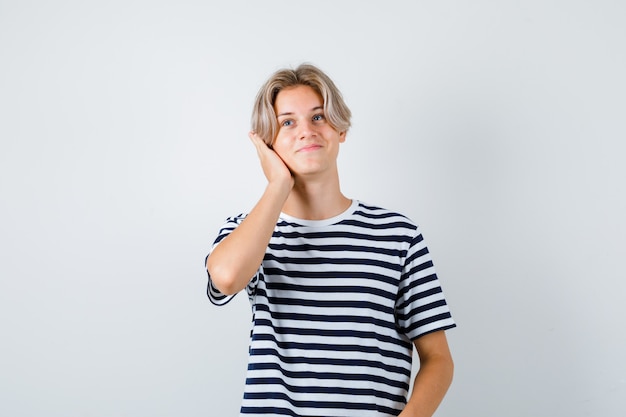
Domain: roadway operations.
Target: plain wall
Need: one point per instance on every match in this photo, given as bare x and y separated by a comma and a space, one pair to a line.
498, 126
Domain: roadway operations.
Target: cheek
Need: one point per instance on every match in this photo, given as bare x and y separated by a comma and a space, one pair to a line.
279, 147
282, 140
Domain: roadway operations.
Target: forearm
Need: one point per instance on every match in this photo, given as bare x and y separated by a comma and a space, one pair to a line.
430, 386
236, 259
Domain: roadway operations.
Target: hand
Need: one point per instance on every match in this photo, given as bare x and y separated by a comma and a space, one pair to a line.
274, 168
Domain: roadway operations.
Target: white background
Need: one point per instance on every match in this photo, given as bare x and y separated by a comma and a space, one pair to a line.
498, 126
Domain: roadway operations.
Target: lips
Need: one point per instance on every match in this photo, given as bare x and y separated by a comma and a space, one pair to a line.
310, 148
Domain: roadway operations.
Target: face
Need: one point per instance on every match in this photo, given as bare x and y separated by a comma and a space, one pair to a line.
306, 142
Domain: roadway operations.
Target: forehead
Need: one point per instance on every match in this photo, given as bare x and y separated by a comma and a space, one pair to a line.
297, 98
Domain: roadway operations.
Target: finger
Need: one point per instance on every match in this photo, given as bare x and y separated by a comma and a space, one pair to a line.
257, 141
255, 137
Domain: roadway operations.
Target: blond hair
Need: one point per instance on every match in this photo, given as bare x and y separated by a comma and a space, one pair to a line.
264, 121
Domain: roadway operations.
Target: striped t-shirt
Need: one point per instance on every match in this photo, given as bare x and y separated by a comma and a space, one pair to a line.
336, 305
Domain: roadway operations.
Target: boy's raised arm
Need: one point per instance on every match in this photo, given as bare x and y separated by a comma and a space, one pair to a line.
236, 259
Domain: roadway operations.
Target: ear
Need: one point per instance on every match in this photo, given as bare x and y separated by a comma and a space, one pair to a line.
342, 137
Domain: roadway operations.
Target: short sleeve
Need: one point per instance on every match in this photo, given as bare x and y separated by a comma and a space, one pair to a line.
421, 307
215, 296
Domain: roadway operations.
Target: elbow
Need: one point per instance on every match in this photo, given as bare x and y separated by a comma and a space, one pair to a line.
223, 279
446, 365
450, 370
447, 369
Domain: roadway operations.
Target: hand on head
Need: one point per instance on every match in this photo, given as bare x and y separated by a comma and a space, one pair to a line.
273, 166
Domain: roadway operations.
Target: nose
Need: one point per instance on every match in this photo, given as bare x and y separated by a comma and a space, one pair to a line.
306, 129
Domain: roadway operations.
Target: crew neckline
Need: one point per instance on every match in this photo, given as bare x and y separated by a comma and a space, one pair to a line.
324, 222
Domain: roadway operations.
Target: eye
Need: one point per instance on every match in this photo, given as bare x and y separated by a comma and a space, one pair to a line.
286, 123
318, 117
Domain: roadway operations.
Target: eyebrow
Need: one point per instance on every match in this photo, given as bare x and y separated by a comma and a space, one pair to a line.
290, 113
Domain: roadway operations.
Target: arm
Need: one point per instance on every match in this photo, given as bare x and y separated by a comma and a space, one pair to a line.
434, 376
236, 259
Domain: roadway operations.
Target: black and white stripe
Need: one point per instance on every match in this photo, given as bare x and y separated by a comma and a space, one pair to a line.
336, 306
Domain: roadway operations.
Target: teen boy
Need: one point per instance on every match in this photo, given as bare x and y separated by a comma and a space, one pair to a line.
340, 290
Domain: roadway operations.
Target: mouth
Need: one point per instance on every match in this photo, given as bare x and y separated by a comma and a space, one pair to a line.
310, 148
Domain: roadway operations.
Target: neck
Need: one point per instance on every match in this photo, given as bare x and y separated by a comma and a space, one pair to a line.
313, 200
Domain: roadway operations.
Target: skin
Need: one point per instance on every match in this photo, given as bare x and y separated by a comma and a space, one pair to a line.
434, 376
303, 181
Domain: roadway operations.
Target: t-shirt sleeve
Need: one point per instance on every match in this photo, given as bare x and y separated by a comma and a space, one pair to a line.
215, 296
421, 307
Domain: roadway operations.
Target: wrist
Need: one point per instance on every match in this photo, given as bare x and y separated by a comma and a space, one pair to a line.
281, 185
279, 189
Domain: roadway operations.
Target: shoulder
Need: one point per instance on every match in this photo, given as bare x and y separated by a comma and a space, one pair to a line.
381, 215
237, 219
230, 224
